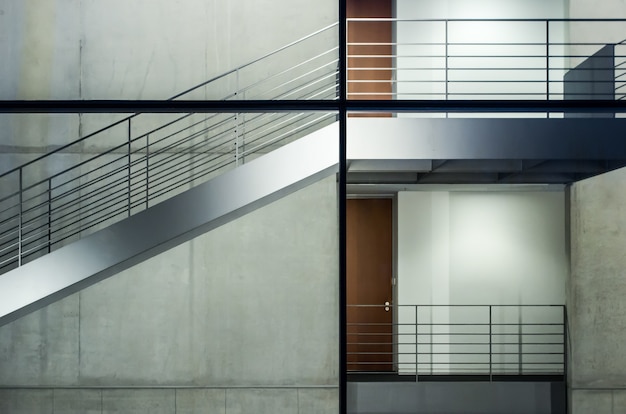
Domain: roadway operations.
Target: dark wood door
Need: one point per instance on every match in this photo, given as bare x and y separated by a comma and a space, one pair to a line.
369, 61
369, 285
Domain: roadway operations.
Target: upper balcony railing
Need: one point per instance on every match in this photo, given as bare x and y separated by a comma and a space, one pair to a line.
471, 59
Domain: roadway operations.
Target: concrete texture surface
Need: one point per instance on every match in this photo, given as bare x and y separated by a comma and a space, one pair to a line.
26, 401
169, 401
256, 401
252, 304
597, 312
77, 401
201, 401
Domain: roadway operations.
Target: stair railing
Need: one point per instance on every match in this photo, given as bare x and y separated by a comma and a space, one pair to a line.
142, 159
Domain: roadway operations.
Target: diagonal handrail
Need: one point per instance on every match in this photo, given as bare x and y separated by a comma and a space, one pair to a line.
136, 170
193, 88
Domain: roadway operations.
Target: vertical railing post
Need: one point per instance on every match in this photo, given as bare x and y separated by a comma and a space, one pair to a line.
520, 338
49, 215
236, 140
21, 218
432, 326
490, 344
129, 165
416, 345
237, 116
547, 64
147, 171
446, 39
565, 344
566, 357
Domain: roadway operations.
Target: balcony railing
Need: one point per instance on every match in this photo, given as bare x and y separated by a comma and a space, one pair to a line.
488, 340
504, 59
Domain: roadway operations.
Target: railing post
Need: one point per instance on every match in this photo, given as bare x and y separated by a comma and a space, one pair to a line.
21, 218
519, 335
237, 140
49, 215
490, 344
147, 170
565, 344
446, 61
129, 165
547, 64
416, 346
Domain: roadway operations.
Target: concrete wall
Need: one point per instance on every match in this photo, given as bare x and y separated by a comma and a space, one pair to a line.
145, 49
596, 289
240, 320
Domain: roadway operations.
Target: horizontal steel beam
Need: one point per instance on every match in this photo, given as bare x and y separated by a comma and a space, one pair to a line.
234, 106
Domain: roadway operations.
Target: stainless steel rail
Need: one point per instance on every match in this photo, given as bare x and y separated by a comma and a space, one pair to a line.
458, 340
146, 158
470, 59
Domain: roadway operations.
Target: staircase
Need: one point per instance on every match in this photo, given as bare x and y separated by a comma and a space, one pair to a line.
163, 179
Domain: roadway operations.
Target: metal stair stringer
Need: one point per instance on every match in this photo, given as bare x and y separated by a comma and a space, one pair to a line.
169, 223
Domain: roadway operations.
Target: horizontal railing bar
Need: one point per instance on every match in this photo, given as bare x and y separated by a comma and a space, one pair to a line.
457, 306
234, 70
550, 20
468, 56
450, 105
303, 63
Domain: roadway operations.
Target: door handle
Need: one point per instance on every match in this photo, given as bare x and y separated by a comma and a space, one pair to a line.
387, 306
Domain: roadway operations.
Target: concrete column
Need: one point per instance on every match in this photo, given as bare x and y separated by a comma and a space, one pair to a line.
596, 292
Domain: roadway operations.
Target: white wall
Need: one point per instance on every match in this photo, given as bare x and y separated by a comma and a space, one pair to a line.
481, 248
478, 248
411, 83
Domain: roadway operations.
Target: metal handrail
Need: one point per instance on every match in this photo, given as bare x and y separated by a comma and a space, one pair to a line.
148, 166
446, 75
433, 340
193, 88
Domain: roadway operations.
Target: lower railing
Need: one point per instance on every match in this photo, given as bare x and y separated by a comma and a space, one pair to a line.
457, 339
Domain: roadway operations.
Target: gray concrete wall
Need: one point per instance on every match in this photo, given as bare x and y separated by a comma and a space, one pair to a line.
242, 319
144, 49
596, 291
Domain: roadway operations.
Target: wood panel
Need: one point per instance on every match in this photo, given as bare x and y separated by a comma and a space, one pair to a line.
377, 83
369, 275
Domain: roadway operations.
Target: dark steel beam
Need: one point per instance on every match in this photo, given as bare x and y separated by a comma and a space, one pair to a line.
183, 106
343, 171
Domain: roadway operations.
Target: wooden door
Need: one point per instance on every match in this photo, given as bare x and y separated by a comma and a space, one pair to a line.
370, 61
369, 276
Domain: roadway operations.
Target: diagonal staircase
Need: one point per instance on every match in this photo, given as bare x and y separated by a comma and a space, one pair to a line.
158, 180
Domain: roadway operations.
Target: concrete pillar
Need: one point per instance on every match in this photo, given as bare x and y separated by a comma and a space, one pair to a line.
596, 292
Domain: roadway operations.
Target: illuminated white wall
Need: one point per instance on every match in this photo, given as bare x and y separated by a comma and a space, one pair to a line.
430, 84
478, 248
481, 248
